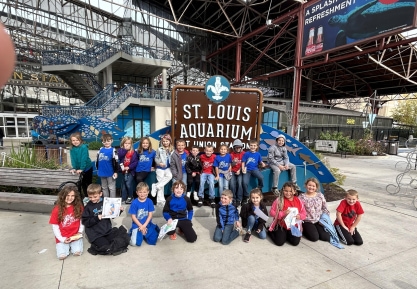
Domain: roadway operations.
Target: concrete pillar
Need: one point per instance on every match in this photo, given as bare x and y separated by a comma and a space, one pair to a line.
151, 81
109, 74
164, 78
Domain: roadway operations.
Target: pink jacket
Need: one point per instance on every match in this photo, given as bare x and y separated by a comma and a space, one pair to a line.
279, 218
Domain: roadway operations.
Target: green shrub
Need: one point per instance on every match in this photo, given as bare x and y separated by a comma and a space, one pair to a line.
344, 143
95, 145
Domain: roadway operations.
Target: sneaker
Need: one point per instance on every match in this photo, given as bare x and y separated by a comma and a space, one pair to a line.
247, 237
173, 236
195, 195
275, 191
160, 204
212, 203
200, 202
128, 201
296, 187
154, 190
244, 201
188, 194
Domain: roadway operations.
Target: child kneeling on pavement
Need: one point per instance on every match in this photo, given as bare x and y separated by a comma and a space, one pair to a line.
178, 206
142, 210
104, 239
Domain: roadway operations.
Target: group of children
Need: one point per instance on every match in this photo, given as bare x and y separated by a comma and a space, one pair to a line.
292, 216
69, 218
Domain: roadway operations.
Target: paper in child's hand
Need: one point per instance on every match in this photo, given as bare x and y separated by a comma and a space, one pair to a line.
290, 219
167, 228
261, 214
76, 237
111, 207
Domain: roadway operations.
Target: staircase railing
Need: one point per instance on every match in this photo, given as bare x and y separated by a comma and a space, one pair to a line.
90, 80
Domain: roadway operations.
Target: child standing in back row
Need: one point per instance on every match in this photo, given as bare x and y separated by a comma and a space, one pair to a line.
193, 167
163, 171
178, 160
107, 166
222, 165
250, 162
128, 162
146, 157
348, 215
207, 161
80, 161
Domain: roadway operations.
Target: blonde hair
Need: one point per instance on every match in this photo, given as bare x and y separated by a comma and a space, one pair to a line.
125, 139
142, 186
93, 189
228, 193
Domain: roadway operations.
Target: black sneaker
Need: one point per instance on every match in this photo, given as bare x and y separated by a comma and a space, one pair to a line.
247, 237
275, 191
212, 203
200, 202
244, 201
128, 201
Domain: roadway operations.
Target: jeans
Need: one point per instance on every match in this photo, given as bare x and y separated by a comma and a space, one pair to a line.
223, 185
127, 186
64, 249
210, 178
253, 222
236, 186
246, 179
226, 236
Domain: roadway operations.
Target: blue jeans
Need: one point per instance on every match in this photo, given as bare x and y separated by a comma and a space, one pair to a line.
246, 179
223, 185
236, 186
226, 236
127, 186
253, 223
210, 178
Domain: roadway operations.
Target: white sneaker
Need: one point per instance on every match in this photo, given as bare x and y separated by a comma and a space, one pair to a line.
195, 196
154, 190
188, 194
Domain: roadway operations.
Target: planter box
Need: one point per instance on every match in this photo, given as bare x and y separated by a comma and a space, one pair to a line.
326, 145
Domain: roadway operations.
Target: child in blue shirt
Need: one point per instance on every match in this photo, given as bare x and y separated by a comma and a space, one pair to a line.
146, 157
227, 216
223, 165
250, 161
107, 166
141, 211
178, 206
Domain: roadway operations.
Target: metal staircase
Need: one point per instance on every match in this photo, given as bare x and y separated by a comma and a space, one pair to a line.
107, 101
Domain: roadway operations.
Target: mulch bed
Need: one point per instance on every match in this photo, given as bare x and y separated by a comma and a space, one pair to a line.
332, 193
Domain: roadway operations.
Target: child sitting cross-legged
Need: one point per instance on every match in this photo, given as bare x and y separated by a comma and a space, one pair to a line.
227, 217
178, 206
142, 210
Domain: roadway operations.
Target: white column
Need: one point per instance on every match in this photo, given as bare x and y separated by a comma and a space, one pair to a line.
164, 78
109, 74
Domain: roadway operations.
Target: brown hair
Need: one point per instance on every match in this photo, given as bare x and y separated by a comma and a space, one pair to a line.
106, 137
352, 193
280, 198
313, 180
77, 135
254, 192
178, 183
77, 203
140, 148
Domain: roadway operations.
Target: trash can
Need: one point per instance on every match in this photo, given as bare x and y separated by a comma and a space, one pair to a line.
393, 147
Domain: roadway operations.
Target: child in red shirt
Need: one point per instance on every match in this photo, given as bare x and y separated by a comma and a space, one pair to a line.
348, 215
207, 161
66, 223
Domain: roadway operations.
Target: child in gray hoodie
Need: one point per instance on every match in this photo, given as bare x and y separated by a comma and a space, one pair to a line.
279, 161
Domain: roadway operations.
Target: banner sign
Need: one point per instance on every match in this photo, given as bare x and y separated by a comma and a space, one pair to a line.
200, 121
331, 24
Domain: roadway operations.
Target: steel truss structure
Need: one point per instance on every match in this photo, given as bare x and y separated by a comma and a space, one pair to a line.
251, 42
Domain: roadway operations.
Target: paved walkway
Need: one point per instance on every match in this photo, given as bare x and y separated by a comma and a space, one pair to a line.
387, 259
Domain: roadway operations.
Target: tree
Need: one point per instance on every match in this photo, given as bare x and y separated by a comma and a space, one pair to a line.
406, 112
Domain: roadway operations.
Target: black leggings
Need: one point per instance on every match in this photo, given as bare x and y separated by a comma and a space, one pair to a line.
191, 180
187, 228
86, 181
315, 232
139, 177
280, 235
